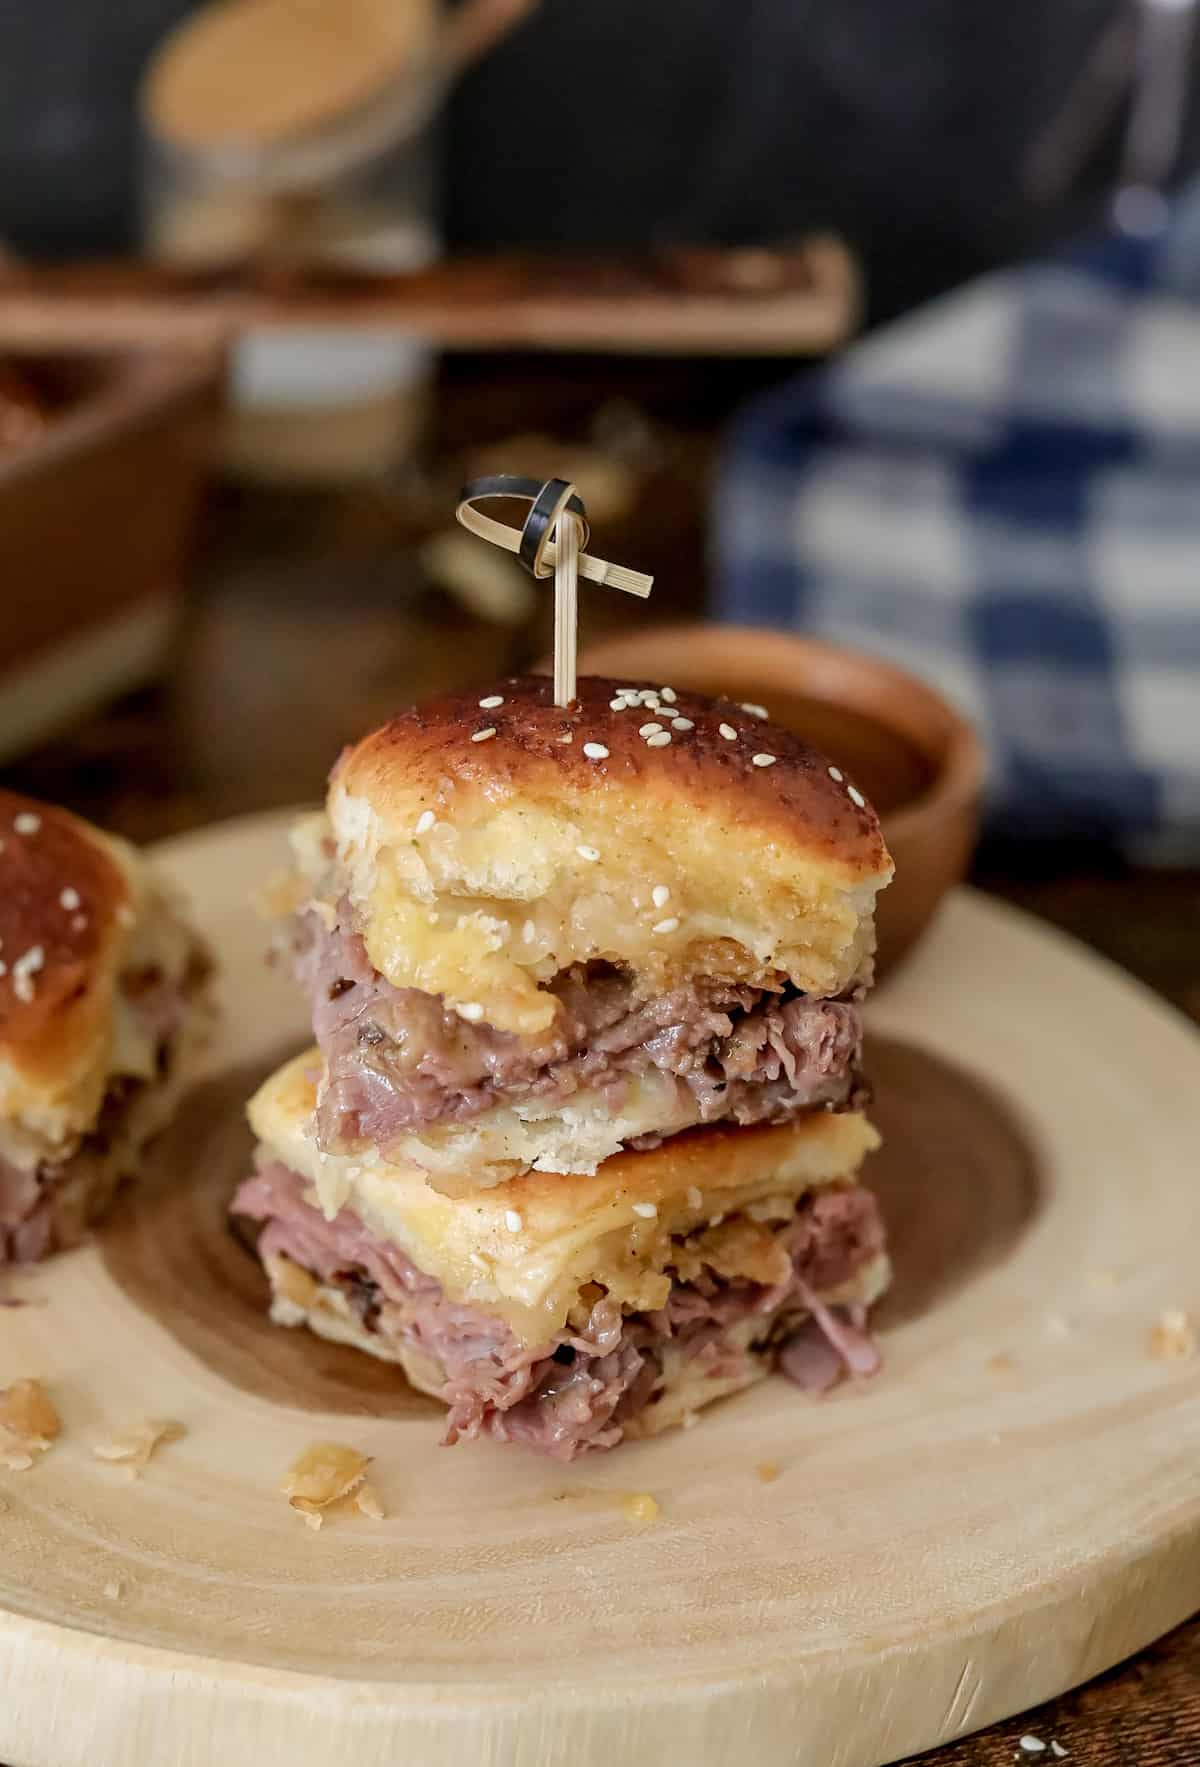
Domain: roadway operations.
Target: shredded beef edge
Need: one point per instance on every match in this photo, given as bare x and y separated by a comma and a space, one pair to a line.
582, 1390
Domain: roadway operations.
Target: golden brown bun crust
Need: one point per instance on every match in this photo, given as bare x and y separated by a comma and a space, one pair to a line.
796, 799
85, 925
476, 870
69, 995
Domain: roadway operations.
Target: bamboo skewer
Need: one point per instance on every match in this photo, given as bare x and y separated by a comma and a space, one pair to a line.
550, 541
566, 606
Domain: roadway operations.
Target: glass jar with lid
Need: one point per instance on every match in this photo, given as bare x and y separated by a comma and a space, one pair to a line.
298, 135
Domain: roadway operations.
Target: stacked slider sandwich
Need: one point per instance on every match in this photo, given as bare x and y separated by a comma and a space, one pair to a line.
577, 1147
103, 1009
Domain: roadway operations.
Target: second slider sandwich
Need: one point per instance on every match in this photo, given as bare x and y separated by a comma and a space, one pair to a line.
534, 937
104, 1008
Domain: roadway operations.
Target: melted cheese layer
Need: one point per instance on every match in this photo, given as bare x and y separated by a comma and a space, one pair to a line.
525, 1248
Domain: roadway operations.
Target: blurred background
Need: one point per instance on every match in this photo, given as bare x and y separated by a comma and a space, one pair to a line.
874, 323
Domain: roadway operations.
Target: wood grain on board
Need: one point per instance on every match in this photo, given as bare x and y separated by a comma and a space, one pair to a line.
1010, 1508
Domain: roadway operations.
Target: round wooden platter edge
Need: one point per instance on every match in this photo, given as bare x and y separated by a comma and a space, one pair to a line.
73, 1694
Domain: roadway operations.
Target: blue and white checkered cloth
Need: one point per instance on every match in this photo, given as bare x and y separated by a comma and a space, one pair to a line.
1001, 493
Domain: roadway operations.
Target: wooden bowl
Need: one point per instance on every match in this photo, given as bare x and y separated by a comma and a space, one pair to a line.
95, 516
917, 759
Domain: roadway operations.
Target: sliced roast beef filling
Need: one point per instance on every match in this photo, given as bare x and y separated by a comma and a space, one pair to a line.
25, 1215
47, 1208
584, 1388
398, 1059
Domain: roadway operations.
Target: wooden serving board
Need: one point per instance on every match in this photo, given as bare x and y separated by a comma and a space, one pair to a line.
1011, 1507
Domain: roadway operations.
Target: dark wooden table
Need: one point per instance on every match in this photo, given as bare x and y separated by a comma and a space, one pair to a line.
308, 618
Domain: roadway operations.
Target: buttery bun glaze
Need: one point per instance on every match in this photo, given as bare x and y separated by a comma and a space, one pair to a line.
488, 840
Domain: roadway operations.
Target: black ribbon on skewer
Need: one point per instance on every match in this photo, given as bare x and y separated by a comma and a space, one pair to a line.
556, 516
532, 491
546, 503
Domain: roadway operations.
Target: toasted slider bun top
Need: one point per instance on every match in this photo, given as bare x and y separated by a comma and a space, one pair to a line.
524, 1248
480, 864
77, 909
